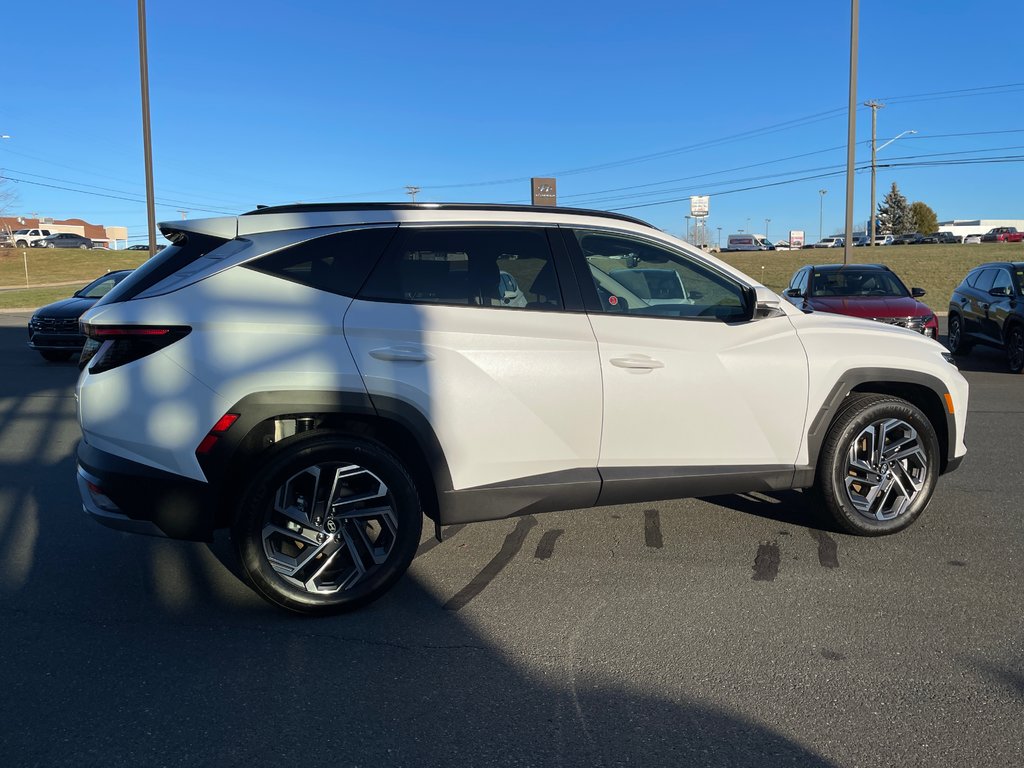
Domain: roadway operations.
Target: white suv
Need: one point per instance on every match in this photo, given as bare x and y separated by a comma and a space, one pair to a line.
319, 377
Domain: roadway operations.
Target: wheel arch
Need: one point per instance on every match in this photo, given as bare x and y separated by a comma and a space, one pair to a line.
262, 417
922, 390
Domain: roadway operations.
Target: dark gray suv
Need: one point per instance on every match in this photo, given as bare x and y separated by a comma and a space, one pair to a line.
986, 308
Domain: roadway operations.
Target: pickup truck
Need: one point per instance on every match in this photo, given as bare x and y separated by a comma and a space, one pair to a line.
23, 238
1002, 235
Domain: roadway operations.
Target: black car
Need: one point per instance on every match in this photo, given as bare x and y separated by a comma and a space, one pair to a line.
63, 240
907, 238
144, 248
53, 330
988, 308
948, 237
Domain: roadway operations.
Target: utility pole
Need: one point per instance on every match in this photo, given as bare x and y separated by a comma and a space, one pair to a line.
147, 144
686, 236
184, 214
851, 135
821, 212
412, 191
874, 106
766, 223
719, 238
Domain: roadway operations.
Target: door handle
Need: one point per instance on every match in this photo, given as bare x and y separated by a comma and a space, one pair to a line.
402, 354
637, 363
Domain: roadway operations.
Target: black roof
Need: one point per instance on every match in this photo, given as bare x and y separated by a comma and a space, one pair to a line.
1012, 264
329, 207
837, 267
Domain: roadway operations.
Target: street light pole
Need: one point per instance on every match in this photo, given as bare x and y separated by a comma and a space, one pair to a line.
766, 223
719, 238
686, 237
821, 212
875, 106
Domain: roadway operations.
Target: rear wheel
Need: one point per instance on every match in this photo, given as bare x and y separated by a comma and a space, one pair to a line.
879, 465
957, 344
54, 356
329, 524
1015, 348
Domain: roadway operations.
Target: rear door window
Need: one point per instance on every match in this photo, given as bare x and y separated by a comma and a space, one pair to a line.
510, 268
985, 280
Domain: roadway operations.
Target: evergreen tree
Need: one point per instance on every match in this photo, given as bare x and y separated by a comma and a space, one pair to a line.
923, 218
894, 216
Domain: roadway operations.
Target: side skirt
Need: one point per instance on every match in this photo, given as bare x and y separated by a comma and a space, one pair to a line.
582, 488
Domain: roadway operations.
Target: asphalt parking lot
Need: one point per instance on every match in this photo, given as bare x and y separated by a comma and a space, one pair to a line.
737, 631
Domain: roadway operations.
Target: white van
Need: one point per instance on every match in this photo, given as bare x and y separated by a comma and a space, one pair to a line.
743, 242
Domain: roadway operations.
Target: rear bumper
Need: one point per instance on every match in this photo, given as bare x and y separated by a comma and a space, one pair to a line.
128, 496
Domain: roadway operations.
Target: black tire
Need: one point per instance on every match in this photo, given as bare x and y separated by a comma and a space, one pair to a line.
22, 244
83, 247
288, 470
956, 342
54, 356
1015, 348
837, 477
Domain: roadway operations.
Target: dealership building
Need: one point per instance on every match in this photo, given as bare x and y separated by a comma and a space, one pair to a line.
964, 227
112, 237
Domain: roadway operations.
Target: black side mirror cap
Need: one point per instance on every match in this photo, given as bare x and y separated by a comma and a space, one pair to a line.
1000, 291
794, 293
917, 292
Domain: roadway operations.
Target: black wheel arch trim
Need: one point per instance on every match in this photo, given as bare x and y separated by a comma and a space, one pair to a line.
883, 378
355, 411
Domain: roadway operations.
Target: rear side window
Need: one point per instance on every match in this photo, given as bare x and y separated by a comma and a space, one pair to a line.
188, 247
985, 280
337, 263
510, 268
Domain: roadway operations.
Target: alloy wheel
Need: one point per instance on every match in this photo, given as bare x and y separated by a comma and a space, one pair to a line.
1015, 349
887, 467
330, 527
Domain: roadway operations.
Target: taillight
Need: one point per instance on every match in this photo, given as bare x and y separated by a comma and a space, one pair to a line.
223, 425
114, 345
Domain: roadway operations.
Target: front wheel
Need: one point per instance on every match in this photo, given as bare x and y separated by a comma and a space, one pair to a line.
1015, 349
329, 524
957, 344
83, 247
879, 465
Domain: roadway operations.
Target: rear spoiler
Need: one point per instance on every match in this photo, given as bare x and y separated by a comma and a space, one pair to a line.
222, 227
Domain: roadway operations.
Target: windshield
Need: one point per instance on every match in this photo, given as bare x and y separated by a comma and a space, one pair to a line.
99, 287
857, 283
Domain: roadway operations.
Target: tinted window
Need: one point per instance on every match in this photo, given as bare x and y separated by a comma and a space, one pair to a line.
338, 263
972, 278
844, 282
101, 286
187, 248
490, 267
1002, 280
637, 278
985, 279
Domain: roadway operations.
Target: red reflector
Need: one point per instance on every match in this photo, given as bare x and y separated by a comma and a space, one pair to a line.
94, 488
224, 423
207, 445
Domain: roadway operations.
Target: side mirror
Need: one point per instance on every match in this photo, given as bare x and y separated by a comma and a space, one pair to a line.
696, 295
794, 293
1000, 292
917, 292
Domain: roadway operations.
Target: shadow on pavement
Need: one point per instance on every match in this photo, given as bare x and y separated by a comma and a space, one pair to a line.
120, 650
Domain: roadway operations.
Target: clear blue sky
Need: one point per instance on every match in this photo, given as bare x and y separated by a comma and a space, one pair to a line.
274, 102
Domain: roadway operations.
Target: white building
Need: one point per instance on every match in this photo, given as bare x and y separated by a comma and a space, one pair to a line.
964, 227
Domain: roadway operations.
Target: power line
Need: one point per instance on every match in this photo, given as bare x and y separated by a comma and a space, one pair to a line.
101, 194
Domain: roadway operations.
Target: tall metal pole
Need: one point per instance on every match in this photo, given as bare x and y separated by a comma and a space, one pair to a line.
851, 136
147, 144
875, 106
821, 212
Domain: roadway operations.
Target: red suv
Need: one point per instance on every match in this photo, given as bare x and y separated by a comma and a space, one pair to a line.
871, 291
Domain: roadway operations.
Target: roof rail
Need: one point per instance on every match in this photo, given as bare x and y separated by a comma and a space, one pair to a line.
329, 207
